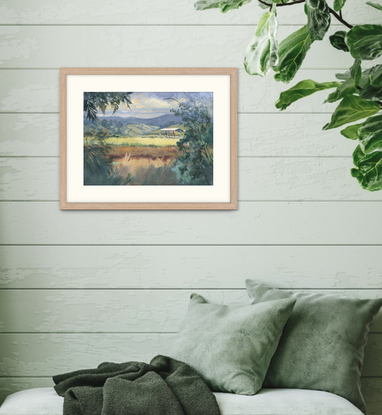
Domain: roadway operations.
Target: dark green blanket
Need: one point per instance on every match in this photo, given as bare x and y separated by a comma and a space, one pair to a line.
163, 387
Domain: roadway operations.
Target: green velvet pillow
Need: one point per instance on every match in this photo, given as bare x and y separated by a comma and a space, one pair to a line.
322, 346
231, 347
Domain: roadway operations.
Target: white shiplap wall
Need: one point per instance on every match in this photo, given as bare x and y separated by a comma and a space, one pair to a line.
77, 288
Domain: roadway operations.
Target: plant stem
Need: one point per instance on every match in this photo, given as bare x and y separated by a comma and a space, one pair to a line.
292, 3
340, 19
282, 4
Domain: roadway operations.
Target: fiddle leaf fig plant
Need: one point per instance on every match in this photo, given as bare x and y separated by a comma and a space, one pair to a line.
356, 93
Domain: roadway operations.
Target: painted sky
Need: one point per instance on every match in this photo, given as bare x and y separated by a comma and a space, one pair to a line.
154, 104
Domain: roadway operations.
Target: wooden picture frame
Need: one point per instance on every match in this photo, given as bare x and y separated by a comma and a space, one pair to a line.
211, 91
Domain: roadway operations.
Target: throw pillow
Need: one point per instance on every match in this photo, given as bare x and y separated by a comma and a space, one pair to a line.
231, 347
322, 346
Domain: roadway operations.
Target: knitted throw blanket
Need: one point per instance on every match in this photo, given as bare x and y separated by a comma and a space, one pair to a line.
163, 387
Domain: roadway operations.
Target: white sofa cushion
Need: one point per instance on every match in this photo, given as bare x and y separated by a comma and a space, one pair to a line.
45, 401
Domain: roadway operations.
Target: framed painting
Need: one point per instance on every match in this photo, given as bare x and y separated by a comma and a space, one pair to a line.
145, 138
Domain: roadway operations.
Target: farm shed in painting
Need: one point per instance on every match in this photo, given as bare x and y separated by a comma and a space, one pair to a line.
171, 131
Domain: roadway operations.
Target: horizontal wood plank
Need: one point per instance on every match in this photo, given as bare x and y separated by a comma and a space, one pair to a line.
259, 179
108, 46
37, 91
124, 12
19, 178
288, 135
299, 179
29, 91
256, 223
371, 389
259, 135
193, 267
141, 311
49, 354
30, 135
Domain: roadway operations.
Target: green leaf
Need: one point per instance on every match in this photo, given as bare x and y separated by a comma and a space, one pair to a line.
349, 86
338, 4
318, 18
343, 76
371, 83
365, 42
350, 109
368, 169
353, 73
375, 76
292, 53
338, 40
262, 52
223, 5
351, 132
375, 5
370, 135
301, 90
345, 88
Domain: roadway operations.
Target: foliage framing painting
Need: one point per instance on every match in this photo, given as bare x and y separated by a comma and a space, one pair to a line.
357, 92
126, 144
148, 138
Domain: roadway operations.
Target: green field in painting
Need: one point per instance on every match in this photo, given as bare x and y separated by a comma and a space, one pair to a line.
143, 141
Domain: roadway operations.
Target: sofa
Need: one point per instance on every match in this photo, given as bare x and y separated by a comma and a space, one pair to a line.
287, 353
45, 401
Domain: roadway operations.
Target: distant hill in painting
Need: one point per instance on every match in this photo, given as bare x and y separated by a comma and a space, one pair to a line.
161, 121
129, 126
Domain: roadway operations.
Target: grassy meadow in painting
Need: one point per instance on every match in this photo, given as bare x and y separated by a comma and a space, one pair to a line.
148, 138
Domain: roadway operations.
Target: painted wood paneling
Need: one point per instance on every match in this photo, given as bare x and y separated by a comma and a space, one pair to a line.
29, 91
37, 91
218, 46
49, 354
256, 223
259, 179
20, 178
130, 12
108, 311
289, 137
193, 267
29, 135
47, 288
37, 135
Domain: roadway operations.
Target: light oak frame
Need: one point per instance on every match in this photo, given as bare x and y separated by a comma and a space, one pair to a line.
231, 205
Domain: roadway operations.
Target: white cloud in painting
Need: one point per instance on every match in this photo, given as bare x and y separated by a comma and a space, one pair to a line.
147, 105
155, 104
142, 101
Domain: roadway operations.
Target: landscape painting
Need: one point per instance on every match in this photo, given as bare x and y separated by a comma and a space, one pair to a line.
148, 138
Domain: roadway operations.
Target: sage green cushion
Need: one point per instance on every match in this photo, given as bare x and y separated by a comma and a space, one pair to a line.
231, 347
322, 346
